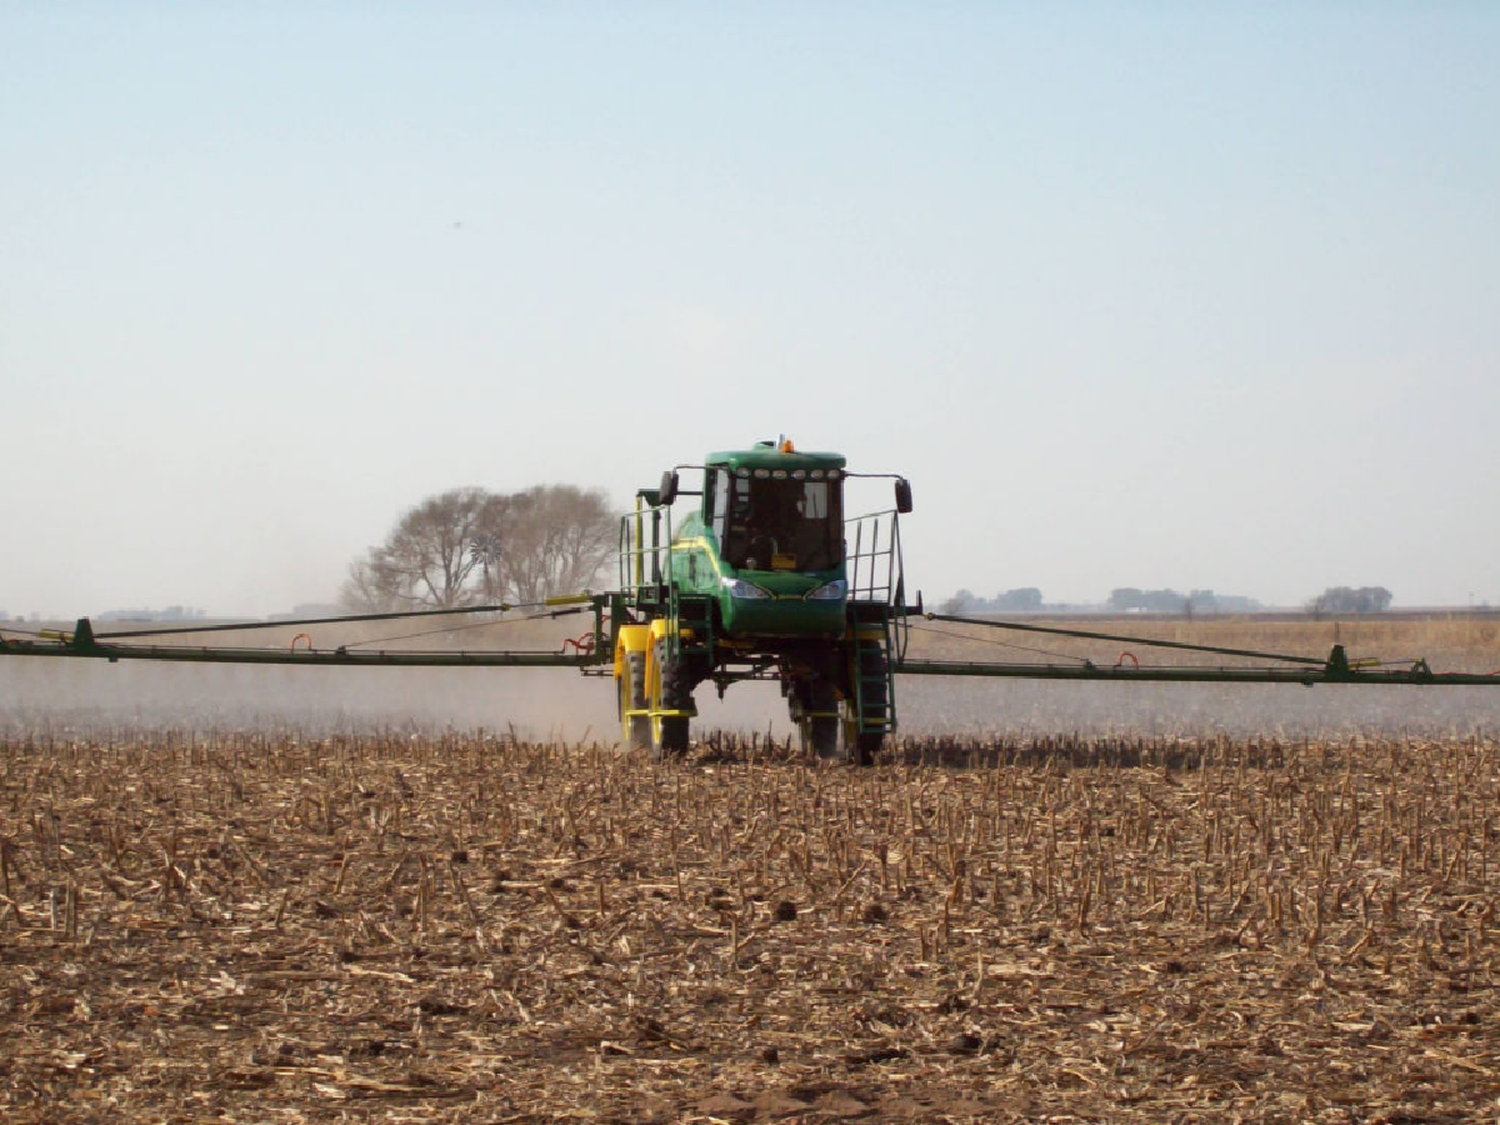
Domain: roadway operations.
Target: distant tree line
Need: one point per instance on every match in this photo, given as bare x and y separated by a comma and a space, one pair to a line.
1025, 599
1123, 599
1132, 599
1347, 599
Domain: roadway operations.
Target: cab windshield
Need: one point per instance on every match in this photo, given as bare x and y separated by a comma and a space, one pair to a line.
766, 523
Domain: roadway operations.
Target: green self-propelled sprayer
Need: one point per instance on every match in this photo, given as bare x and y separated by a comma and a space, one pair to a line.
761, 577
765, 577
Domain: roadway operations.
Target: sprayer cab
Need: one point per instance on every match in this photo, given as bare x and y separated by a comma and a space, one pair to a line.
766, 542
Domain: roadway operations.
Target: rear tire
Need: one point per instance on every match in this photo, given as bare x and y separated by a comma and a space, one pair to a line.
862, 746
813, 704
866, 746
822, 737
669, 733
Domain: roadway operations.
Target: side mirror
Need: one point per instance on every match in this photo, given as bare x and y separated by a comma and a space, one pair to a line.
668, 487
903, 495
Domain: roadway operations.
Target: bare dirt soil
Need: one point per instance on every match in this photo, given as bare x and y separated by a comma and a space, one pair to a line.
271, 926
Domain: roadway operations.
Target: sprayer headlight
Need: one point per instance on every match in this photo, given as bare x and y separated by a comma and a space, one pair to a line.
739, 588
829, 592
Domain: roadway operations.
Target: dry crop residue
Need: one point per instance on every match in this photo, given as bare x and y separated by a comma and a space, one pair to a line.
271, 927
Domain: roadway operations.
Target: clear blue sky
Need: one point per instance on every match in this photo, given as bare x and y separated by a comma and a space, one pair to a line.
1135, 294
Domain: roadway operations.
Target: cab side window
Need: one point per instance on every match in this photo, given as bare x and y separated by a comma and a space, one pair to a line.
719, 503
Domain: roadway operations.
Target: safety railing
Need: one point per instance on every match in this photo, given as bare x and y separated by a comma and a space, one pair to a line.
873, 561
645, 538
875, 571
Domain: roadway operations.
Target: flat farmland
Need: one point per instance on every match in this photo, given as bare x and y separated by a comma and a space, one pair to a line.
274, 925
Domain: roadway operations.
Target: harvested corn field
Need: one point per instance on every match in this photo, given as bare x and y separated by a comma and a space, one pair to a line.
274, 927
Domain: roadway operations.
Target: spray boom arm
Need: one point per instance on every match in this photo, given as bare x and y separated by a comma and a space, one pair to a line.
609, 611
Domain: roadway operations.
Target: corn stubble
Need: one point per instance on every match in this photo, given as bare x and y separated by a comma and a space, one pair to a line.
270, 926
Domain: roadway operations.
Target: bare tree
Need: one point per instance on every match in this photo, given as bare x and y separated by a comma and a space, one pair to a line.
429, 560
362, 591
469, 546
556, 540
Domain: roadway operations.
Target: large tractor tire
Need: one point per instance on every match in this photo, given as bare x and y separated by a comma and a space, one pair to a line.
814, 707
671, 690
635, 729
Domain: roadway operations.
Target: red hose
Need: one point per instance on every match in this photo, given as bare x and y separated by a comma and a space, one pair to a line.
584, 643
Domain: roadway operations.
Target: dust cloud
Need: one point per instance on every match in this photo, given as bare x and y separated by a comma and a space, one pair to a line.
561, 704
982, 708
537, 703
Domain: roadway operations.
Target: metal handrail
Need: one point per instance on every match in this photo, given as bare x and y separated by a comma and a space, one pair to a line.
874, 569
643, 560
